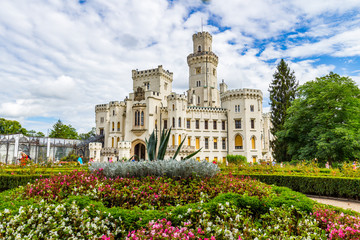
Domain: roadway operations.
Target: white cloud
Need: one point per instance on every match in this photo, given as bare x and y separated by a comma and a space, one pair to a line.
59, 59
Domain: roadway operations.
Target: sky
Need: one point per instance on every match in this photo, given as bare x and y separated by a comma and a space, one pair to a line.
60, 58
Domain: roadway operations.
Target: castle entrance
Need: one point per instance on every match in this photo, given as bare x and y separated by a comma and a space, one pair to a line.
139, 151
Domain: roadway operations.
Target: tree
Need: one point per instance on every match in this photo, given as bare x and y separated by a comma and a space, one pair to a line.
282, 93
61, 130
85, 136
11, 127
324, 121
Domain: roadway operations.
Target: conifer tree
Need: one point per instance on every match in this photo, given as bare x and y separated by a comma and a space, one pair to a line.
282, 93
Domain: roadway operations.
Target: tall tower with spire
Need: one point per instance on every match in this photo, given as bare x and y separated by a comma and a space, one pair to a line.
202, 64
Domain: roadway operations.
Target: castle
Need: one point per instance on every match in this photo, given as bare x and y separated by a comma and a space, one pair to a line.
220, 121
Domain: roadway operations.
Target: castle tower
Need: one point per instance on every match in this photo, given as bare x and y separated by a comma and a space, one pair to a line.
203, 72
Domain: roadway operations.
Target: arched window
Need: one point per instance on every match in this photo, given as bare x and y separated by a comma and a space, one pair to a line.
253, 142
179, 122
112, 142
142, 118
173, 107
199, 48
198, 99
118, 126
238, 142
173, 140
136, 118
179, 138
173, 122
118, 140
113, 126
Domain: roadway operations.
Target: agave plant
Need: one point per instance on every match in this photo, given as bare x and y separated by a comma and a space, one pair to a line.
159, 154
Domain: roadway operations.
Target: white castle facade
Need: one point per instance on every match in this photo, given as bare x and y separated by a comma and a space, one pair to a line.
220, 121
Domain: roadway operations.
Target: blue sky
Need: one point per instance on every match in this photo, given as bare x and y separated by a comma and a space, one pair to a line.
58, 59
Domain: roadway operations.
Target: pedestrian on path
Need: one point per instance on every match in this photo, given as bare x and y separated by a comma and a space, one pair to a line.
80, 160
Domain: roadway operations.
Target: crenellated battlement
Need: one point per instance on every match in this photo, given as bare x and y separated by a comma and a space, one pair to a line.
175, 96
159, 71
201, 35
242, 93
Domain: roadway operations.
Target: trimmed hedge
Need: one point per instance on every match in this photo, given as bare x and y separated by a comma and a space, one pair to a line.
14, 181
322, 186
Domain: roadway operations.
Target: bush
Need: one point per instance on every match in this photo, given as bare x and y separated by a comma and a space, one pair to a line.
236, 159
322, 186
164, 168
8, 181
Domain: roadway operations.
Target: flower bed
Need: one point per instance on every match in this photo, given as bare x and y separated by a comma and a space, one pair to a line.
148, 192
85, 205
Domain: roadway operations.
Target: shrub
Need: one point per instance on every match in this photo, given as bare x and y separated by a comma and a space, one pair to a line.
167, 168
323, 186
236, 159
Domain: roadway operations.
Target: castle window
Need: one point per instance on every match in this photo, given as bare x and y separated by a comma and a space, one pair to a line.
238, 123
142, 118
199, 48
206, 143
187, 123
189, 141
237, 108
112, 142
252, 123
197, 145
155, 123
179, 122
207, 159
223, 125
102, 120
198, 99
173, 122
113, 112
224, 143
179, 138
173, 140
113, 126
198, 70
118, 126
238, 142
206, 124
165, 86
165, 124
214, 124
214, 72
198, 83
147, 85
215, 143
101, 131
197, 124
173, 107
251, 108
137, 118
253, 142
117, 141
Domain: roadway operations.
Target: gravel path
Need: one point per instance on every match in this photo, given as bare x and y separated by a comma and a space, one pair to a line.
343, 203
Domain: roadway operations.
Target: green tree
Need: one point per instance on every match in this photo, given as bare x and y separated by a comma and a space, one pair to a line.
85, 136
11, 127
61, 130
324, 121
282, 93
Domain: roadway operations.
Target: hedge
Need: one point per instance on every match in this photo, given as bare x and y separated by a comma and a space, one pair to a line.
14, 181
323, 186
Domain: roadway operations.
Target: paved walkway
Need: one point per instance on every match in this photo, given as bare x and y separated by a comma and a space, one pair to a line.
343, 203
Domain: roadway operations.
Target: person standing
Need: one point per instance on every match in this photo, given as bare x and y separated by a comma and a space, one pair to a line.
80, 160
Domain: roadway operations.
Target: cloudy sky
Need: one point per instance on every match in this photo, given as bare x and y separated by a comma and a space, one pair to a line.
60, 58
